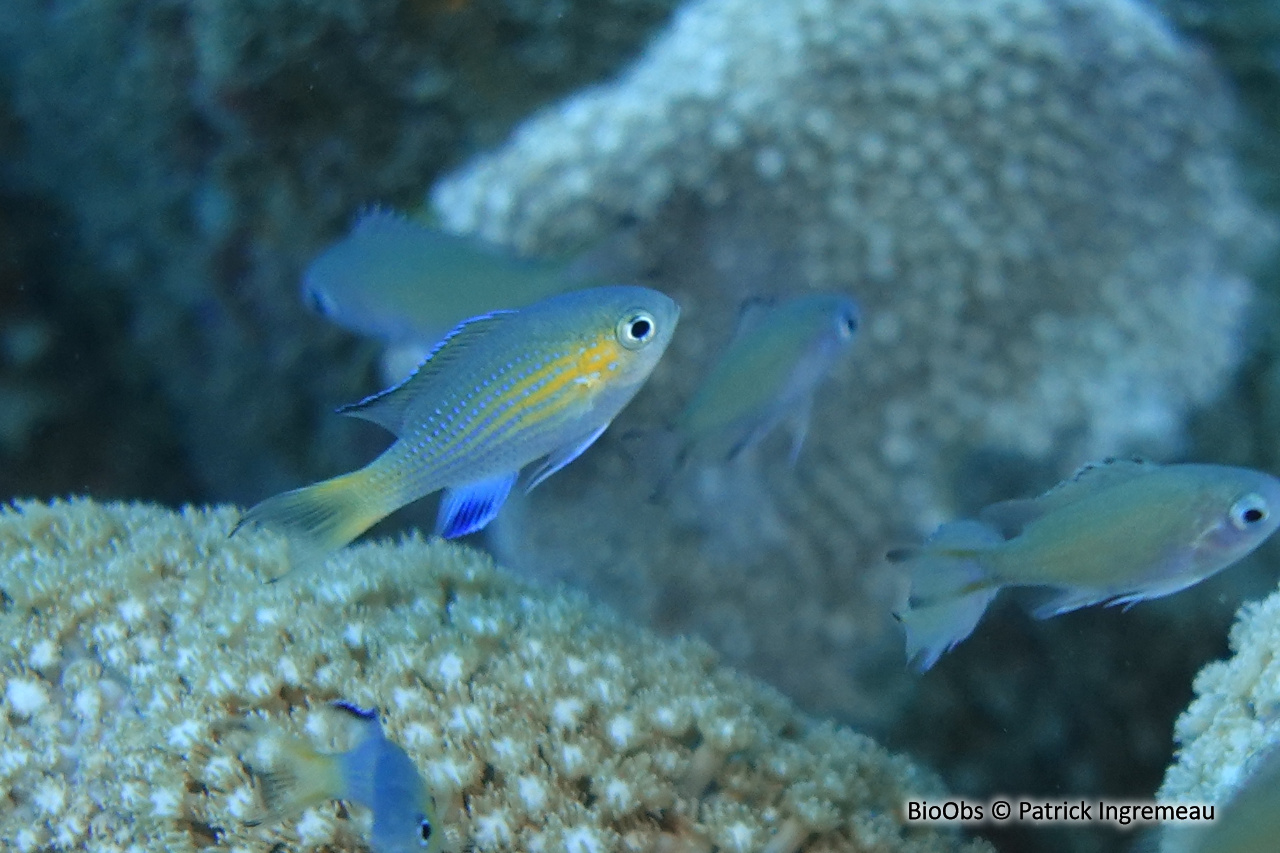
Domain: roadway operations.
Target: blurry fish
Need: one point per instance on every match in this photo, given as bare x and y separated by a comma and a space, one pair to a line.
769, 372
375, 773
501, 391
1116, 532
767, 376
394, 279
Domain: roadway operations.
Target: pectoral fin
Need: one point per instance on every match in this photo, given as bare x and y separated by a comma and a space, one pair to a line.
467, 508
562, 456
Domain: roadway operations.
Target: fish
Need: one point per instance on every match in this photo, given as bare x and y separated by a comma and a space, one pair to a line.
1116, 532
769, 373
501, 391
375, 773
400, 281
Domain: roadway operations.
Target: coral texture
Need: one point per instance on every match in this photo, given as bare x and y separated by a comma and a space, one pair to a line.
133, 635
1235, 717
1033, 200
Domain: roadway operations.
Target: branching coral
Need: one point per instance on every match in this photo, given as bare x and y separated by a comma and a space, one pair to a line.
132, 635
1033, 200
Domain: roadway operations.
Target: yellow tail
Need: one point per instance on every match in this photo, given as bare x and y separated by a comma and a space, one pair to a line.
298, 778
321, 518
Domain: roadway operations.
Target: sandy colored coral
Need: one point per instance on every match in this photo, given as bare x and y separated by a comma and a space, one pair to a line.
1234, 719
132, 635
1033, 200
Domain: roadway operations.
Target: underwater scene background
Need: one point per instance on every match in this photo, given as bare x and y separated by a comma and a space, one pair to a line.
1058, 217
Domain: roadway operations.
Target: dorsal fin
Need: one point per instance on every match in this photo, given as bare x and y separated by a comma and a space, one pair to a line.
752, 312
366, 719
377, 219
1093, 476
389, 408
355, 710
1010, 517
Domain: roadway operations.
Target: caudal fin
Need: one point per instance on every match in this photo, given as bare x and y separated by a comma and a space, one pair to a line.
321, 518
950, 589
297, 778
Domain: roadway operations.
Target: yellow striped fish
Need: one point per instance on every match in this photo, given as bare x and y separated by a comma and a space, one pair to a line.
499, 392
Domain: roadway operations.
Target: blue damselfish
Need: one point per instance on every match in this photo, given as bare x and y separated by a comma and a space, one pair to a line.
375, 773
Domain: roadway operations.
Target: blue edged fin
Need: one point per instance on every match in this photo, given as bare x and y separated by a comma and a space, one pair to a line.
355, 710
562, 456
950, 589
367, 718
467, 508
389, 409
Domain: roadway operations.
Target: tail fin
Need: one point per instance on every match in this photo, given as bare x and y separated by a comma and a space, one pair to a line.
298, 778
950, 589
320, 518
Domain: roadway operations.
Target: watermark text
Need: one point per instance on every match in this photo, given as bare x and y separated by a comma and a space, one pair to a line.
1001, 809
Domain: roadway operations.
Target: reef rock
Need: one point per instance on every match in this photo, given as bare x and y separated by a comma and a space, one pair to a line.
132, 635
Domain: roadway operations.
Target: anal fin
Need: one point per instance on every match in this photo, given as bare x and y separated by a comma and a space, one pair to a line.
561, 457
467, 508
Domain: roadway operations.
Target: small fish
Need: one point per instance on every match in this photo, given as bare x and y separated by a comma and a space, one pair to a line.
769, 372
394, 279
375, 773
500, 391
1117, 532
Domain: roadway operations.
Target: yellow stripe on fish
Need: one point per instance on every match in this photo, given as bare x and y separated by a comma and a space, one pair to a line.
500, 391
581, 372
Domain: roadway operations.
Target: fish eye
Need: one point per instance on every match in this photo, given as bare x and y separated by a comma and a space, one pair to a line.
848, 324
1248, 511
424, 829
636, 329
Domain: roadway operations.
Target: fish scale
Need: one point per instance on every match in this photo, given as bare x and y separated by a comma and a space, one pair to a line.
499, 392
526, 408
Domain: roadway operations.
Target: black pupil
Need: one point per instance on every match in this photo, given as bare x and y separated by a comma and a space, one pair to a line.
640, 328
1253, 514
425, 828
851, 324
